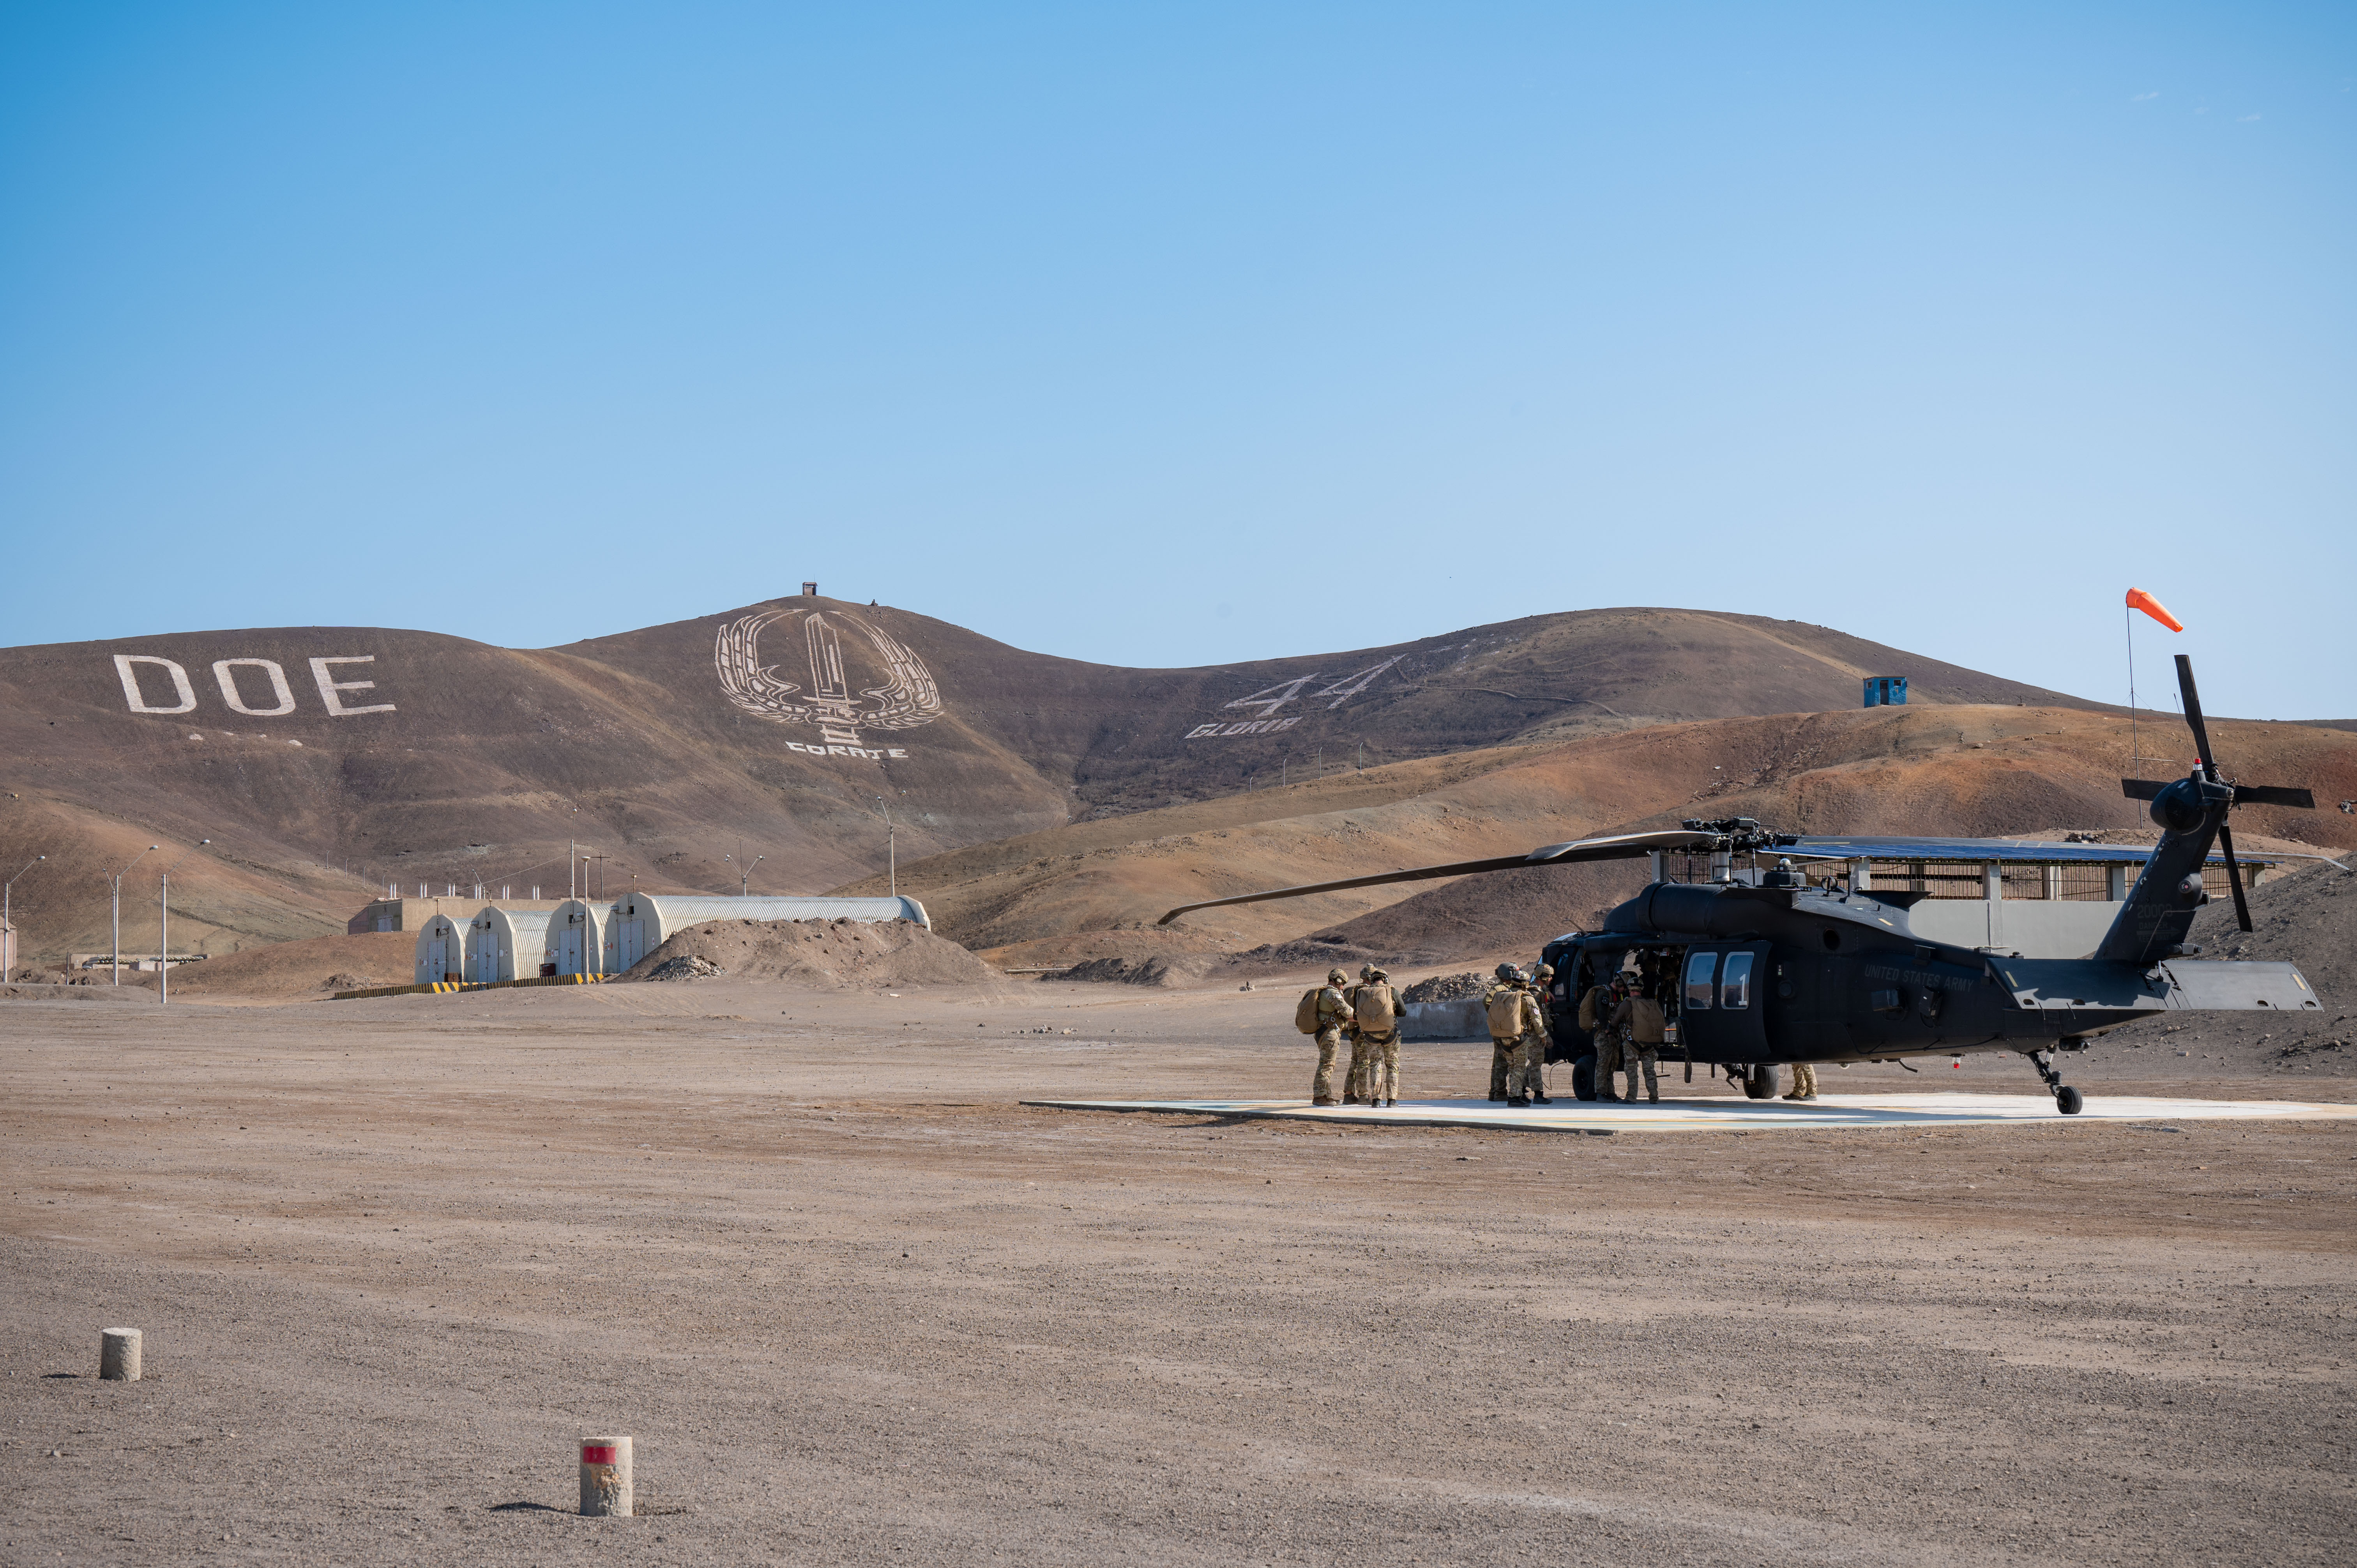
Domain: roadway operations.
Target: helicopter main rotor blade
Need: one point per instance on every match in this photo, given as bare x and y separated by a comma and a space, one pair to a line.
2234, 876
2141, 788
2272, 795
1624, 846
2193, 715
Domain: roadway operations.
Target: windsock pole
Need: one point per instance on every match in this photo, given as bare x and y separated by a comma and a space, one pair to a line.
2138, 599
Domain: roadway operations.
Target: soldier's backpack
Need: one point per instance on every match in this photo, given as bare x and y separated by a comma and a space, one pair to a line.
1505, 1008
1591, 1004
1375, 1010
1305, 1012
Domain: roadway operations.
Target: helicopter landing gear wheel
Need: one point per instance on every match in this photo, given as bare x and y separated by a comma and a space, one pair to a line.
1760, 1083
1583, 1078
2067, 1100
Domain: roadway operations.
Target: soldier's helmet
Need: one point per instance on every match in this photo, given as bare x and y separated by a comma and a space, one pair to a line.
1372, 973
1336, 977
1507, 972
1368, 971
1544, 972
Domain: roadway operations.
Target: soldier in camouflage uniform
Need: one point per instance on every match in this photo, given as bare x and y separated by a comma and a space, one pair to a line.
1374, 1040
1804, 1082
1595, 1006
1333, 1014
1517, 1036
1354, 1084
1501, 1056
1637, 1018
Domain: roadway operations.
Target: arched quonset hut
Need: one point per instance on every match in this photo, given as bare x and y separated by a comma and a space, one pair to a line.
641, 922
507, 944
576, 937
441, 951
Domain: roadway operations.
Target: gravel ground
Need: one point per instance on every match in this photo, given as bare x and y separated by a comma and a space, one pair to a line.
393, 1257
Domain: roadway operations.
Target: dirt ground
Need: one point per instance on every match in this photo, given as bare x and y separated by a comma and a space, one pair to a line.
855, 1303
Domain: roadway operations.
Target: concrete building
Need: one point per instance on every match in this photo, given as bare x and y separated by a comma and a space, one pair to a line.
441, 950
507, 943
641, 922
577, 937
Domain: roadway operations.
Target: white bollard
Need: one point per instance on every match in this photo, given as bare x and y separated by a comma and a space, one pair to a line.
606, 1477
118, 1355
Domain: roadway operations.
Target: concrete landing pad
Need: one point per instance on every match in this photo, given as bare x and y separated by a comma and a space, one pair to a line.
1727, 1115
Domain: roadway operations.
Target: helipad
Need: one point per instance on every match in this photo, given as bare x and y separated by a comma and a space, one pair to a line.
1728, 1116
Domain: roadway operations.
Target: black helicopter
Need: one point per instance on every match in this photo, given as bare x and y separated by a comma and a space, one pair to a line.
1763, 968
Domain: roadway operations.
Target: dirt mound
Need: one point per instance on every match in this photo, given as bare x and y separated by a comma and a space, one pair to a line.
830, 953
1161, 968
287, 972
36, 990
2310, 919
1447, 987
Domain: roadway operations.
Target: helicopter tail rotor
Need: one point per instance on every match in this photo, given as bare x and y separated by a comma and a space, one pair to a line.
2205, 765
2177, 806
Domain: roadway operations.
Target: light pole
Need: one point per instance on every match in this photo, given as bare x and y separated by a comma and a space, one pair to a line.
744, 872
117, 961
891, 851
7, 924
164, 933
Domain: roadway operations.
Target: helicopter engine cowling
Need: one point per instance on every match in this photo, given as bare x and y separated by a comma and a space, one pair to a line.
1686, 910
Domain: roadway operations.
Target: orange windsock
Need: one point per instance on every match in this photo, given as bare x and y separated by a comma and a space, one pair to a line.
2140, 600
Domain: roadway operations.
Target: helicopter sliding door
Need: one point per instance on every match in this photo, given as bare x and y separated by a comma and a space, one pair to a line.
1721, 1002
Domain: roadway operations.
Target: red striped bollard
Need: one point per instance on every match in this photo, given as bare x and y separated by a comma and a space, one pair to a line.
606, 1477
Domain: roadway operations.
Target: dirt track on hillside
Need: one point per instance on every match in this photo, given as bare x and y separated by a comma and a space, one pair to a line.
856, 1304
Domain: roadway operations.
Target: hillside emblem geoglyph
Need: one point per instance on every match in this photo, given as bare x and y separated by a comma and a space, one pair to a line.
907, 699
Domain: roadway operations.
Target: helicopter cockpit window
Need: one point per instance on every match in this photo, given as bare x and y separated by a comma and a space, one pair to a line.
1735, 985
1702, 968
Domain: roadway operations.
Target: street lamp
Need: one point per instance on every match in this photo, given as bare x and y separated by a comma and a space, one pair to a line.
891, 849
118, 963
164, 934
744, 872
7, 924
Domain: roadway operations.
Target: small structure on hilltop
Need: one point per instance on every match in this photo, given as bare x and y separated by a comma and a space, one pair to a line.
641, 922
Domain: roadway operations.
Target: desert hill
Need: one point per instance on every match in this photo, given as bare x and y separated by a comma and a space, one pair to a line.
325, 763
1094, 889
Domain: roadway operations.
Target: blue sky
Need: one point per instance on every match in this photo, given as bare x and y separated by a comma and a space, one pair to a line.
1180, 335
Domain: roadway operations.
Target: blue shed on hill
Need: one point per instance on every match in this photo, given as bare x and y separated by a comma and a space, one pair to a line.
1886, 691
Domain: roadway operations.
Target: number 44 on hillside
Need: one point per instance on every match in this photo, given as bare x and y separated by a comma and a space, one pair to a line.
1267, 703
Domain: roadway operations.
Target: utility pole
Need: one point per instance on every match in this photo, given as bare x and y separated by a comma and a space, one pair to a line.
8, 923
118, 963
164, 936
891, 849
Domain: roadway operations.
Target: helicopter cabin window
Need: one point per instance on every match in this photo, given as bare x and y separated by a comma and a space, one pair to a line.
1735, 985
1702, 968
